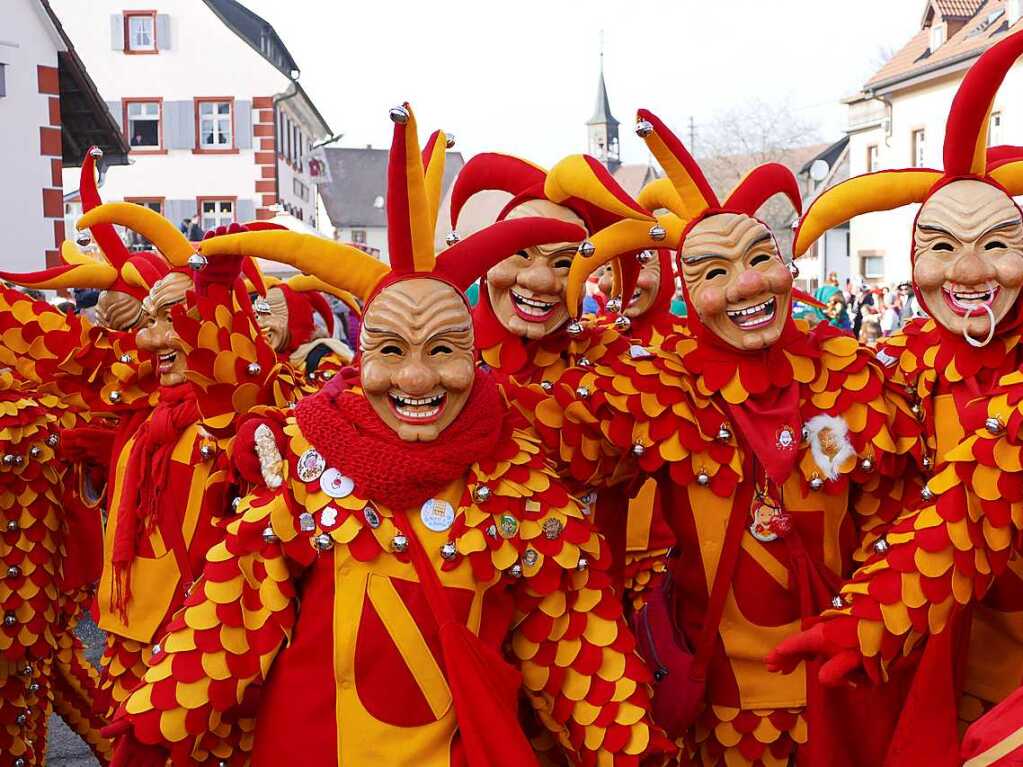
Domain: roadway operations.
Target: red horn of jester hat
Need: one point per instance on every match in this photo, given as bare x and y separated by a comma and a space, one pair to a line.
116, 268
411, 216
965, 155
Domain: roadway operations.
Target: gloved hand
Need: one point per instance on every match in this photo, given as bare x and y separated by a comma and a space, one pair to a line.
129, 751
220, 270
832, 640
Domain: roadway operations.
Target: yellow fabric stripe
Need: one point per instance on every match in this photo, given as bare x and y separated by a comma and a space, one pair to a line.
423, 255
410, 643
693, 201
997, 751
434, 176
641, 515
978, 165
767, 561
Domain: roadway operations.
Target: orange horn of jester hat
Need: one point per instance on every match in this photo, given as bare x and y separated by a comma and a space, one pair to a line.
487, 716
115, 269
966, 157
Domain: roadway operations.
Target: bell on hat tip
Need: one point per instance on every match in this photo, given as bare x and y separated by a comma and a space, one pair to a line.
587, 248
614, 305
399, 115
645, 256
83, 239
657, 233
622, 322
452, 237
574, 328
644, 128
197, 261
95, 152
449, 140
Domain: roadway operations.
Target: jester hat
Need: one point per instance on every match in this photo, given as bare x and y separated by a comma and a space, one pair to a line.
965, 154
115, 269
687, 196
413, 201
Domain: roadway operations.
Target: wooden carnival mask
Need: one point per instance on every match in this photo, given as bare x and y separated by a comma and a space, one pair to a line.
272, 317
648, 284
968, 256
157, 334
737, 282
527, 290
418, 360
119, 311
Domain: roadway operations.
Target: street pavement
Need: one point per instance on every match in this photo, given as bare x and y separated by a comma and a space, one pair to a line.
65, 748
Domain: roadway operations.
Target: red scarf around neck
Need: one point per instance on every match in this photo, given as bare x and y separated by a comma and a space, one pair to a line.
146, 481
343, 426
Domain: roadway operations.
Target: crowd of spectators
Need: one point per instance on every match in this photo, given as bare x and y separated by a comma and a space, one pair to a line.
867, 311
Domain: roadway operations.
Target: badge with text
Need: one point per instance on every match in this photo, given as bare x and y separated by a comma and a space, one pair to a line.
335, 484
438, 515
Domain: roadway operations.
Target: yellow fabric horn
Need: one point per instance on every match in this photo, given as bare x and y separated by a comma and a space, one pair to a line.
433, 173
339, 265
583, 177
162, 233
1010, 176
304, 283
661, 194
873, 192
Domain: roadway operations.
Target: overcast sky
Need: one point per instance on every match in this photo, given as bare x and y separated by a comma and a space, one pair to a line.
520, 76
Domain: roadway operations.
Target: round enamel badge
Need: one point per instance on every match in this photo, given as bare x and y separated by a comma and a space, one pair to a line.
437, 515
310, 465
335, 484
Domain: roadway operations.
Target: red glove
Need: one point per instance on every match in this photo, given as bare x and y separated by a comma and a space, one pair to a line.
222, 270
129, 751
833, 641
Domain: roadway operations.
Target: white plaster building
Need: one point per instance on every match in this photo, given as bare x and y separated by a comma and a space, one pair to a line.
208, 97
898, 118
50, 112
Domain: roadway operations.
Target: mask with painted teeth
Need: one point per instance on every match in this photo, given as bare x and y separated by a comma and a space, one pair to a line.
736, 280
156, 334
967, 255
418, 358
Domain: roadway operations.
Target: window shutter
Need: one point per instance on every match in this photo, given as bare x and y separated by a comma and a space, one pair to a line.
243, 124
177, 211
179, 125
117, 32
163, 32
115, 111
245, 211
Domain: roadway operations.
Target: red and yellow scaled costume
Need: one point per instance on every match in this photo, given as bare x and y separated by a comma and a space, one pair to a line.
773, 446
406, 532
945, 568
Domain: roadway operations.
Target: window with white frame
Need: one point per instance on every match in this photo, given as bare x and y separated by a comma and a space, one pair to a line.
140, 29
871, 265
143, 118
301, 190
214, 213
872, 164
994, 129
216, 125
937, 36
919, 138
359, 236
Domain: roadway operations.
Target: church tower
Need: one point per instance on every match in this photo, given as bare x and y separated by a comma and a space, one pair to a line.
603, 128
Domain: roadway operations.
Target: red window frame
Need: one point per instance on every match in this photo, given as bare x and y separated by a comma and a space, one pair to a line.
216, 198
162, 149
127, 39
199, 149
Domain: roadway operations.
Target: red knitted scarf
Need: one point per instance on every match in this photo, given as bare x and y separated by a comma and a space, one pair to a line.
345, 429
145, 482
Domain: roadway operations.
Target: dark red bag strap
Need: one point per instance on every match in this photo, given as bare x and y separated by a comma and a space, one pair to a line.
722, 580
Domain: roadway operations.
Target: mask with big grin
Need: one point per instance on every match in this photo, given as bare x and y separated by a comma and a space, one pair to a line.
739, 286
418, 360
968, 256
157, 335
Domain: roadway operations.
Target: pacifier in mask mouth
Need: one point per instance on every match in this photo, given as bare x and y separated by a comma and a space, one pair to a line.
991, 325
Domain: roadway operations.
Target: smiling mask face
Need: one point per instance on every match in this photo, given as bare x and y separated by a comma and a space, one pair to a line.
156, 333
527, 290
418, 358
967, 253
739, 286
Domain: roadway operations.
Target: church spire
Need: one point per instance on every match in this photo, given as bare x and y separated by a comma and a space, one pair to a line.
603, 127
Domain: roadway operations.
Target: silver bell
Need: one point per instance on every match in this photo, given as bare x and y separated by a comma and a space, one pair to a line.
451, 238
206, 451
546, 385
254, 369
449, 140
10, 619
638, 449
18, 460
927, 462
19, 762
515, 571
8, 459
816, 483
197, 261
574, 329
927, 494
582, 392
13, 571
867, 465
584, 362
12, 526
34, 687
53, 440
399, 543
644, 128
881, 546
83, 239
323, 542
837, 603
703, 479
26, 670
22, 718
126, 359
269, 536
481, 494
582, 564
993, 425
614, 305
236, 502
35, 451
399, 115
657, 233
622, 323
587, 248
115, 396
645, 256
724, 434
95, 153
448, 551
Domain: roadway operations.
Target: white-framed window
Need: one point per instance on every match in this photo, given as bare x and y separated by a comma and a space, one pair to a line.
919, 145
872, 266
214, 213
140, 32
216, 125
937, 36
143, 121
301, 190
994, 129
872, 161
359, 236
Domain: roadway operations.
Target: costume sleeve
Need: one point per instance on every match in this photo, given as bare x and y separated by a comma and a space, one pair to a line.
91, 368
220, 646
229, 359
578, 659
949, 549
